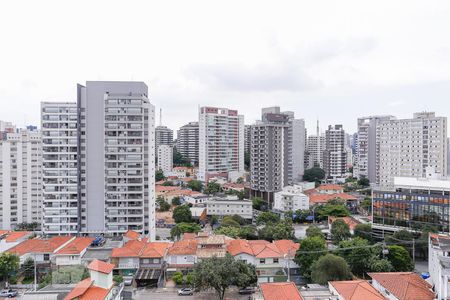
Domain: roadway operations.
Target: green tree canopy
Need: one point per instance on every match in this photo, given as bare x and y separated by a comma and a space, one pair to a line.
314, 174
162, 204
332, 209
9, 265
330, 268
219, 273
363, 182
229, 221
212, 188
179, 160
267, 217
244, 232
259, 204
195, 185
400, 259
312, 248
340, 231
179, 229
176, 201
313, 230
364, 231
182, 213
159, 175
282, 230
167, 183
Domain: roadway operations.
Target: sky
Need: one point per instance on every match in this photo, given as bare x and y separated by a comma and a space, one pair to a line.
332, 61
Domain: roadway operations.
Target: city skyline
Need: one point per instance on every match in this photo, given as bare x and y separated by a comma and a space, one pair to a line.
397, 67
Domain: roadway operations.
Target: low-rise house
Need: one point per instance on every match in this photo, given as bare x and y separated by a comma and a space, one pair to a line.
354, 290
229, 205
131, 235
211, 245
99, 286
291, 198
350, 221
330, 189
439, 264
182, 255
9, 239
196, 199
402, 286
126, 258
321, 199
72, 253
40, 250
230, 186
278, 291
273, 261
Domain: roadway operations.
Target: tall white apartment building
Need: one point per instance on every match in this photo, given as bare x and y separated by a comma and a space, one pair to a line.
412, 148
59, 125
20, 176
335, 155
163, 136
315, 146
291, 198
165, 158
367, 147
277, 152
188, 141
221, 142
247, 138
117, 157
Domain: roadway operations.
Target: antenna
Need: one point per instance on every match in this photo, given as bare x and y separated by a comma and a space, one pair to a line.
160, 117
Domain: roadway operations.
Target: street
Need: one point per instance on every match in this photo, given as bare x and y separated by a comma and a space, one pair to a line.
171, 294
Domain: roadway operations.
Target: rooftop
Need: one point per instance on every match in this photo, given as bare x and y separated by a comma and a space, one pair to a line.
404, 285
76, 246
329, 187
183, 247
356, 290
280, 291
100, 266
325, 198
422, 183
40, 245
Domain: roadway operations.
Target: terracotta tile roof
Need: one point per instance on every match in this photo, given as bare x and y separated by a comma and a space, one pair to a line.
213, 239
356, 290
132, 235
181, 192
131, 248
95, 293
155, 250
187, 179
188, 236
79, 289
76, 246
160, 182
39, 245
280, 291
330, 187
165, 189
324, 198
266, 251
183, 247
100, 266
351, 222
232, 185
239, 246
4, 232
13, 236
287, 247
404, 285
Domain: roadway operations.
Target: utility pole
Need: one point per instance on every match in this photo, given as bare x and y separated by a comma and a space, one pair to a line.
35, 273
414, 251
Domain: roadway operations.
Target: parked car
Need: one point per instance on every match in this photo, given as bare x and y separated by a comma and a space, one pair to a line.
186, 292
8, 293
98, 241
127, 280
247, 291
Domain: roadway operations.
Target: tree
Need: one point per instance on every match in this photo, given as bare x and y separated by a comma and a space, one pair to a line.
28, 268
179, 160
219, 273
332, 209
195, 185
267, 217
177, 277
330, 268
380, 265
258, 203
282, 230
340, 231
229, 221
313, 230
400, 259
366, 204
162, 204
212, 188
240, 180
364, 231
245, 232
167, 183
182, 213
159, 175
422, 242
213, 220
301, 215
400, 236
176, 201
314, 174
179, 229
238, 219
9, 265
359, 256
312, 248
363, 182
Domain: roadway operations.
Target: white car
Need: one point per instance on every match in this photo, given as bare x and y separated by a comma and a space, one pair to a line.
186, 292
8, 293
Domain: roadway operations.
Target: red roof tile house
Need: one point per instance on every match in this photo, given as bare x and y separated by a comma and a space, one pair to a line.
330, 189
182, 255
279, 291
9, 239
99, 286
350, 221
41, 250
354, 290
72, 253
402, 286
270, 259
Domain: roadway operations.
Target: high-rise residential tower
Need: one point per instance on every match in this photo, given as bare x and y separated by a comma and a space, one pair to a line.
277, 152
165, 158
61, 206
414, 147
335, 155
187, 142
247, 138
221, 143
20, 176
117, 157
367, 147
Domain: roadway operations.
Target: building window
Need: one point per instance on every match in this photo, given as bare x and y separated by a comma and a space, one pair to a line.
275, 260
46, 257
262, 261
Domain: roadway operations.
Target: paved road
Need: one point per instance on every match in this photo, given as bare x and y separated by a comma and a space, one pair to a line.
172, 295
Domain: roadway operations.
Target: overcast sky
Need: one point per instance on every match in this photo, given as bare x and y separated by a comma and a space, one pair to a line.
331, 60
